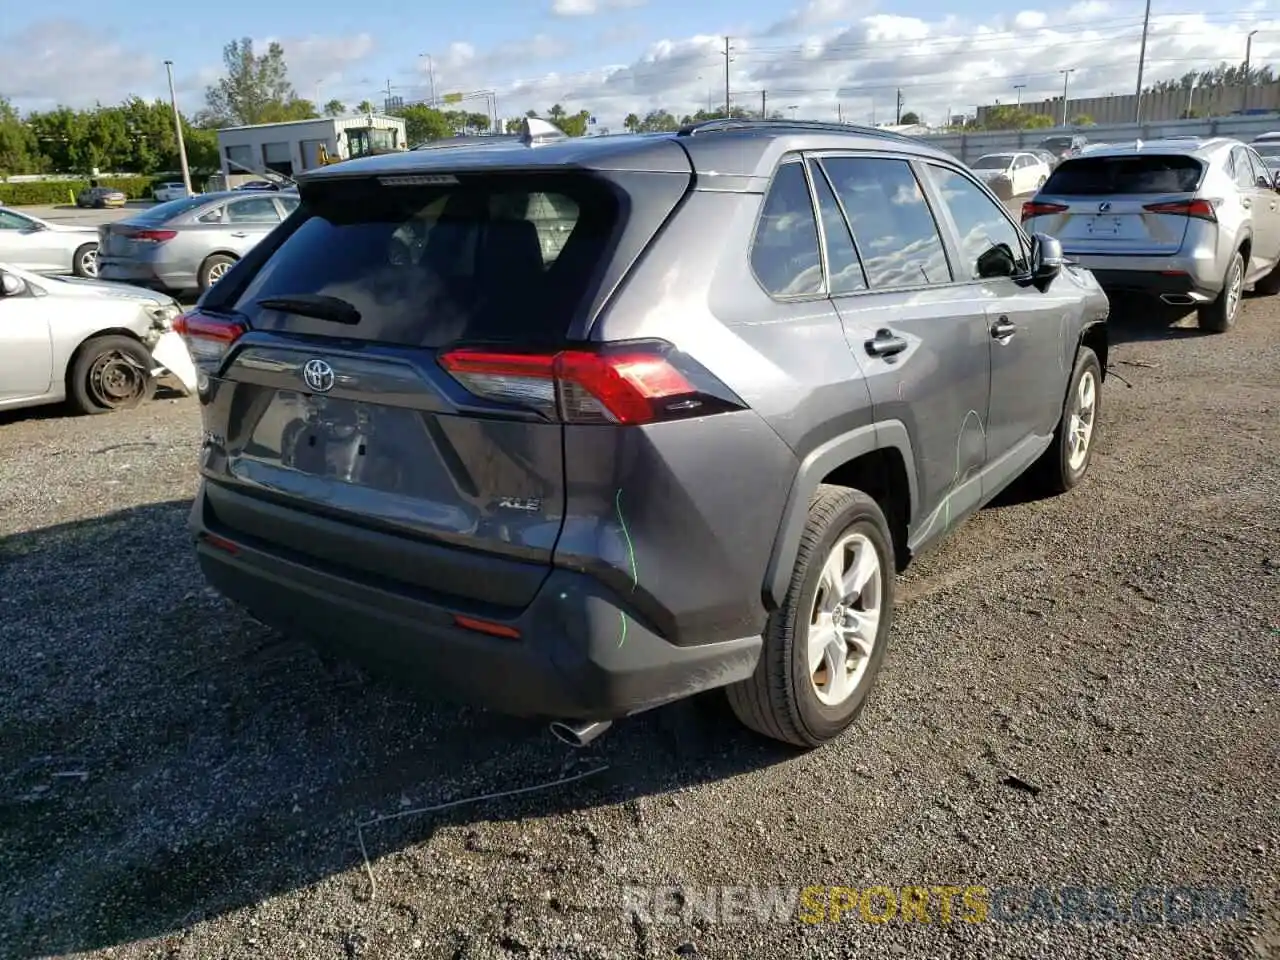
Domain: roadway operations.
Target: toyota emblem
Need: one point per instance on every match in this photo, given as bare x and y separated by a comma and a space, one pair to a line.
1104, 206
318, 375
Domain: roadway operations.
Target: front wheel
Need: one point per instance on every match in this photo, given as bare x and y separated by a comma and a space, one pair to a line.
84, 262
1066, 461
823, 647
110, 373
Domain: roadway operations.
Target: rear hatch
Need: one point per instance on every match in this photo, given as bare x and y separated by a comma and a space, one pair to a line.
135, 237
1120, 205
388, 383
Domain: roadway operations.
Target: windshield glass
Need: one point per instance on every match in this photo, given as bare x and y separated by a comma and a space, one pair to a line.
1099, 176
993, 161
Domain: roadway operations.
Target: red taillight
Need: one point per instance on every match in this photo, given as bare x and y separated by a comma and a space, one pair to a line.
627, 385
486, 626
152, 236
208, 338
1200, 209
1033, 209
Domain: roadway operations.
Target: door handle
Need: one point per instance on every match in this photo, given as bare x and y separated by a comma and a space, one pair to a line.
885, 344
240, 235
1003, 329
1246, 202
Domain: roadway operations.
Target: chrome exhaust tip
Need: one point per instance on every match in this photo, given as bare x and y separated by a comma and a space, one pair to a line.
578, 735
1178, 299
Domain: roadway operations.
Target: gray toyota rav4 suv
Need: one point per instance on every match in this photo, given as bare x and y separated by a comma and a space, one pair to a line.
571, 429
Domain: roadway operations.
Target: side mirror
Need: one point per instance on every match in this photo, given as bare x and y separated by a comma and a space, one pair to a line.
10, 285
1046, 260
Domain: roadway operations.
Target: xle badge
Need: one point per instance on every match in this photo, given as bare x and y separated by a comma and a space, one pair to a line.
527, 504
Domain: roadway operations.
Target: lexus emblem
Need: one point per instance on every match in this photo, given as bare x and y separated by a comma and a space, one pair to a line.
318, 375
1104, 206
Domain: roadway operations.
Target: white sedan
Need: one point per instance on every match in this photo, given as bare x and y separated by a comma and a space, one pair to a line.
1011, 174
101, 346
43, 247
164, 192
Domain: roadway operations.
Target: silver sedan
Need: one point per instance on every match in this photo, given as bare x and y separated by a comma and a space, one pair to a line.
47, 248
189, 244
100, 346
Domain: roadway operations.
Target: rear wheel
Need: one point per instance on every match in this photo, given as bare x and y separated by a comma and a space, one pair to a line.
110, 373
823, 647
1220, 315
214, 269
85, 261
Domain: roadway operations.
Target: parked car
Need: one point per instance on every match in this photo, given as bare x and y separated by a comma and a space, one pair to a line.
1063, 146
164, 192
1010, 175
48, 248
100, 346
257, 185
1050, 159
614, 425
1193, 222
187, 245
101, 197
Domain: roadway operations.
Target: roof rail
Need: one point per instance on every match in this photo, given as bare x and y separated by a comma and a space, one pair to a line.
810, 126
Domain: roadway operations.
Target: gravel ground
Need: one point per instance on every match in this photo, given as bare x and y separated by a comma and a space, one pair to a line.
1082, 691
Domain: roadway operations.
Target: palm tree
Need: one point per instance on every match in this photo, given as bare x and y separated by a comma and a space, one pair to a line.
335, 108
364, 106
632, 123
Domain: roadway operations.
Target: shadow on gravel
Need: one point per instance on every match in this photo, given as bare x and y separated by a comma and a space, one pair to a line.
1134, 320
57, 411
164, 758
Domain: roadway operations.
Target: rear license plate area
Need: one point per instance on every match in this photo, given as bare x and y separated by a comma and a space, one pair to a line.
1103, 226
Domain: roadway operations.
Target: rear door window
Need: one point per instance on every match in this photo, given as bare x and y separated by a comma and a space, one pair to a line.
784, 254
1101, 176
252, 210
893, 226
504, 258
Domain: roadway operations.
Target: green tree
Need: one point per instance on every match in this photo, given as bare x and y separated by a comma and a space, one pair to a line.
631, 123
365, 106
1223, 75
736, 113
423, 123
1006, 116
910, 117
514, 124
658, 121
19, 150
256, 88
202, 148
335, 108
1082, 120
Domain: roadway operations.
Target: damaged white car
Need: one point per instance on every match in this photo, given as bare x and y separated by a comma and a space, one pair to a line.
98, 346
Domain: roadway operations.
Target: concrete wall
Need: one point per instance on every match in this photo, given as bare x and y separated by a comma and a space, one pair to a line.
1209, 102
969, 146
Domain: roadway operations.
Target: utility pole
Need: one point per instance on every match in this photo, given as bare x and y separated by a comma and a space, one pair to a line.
898, 112
764, 104
1248, 57
177, 129
431, 77
839, 112
1066, 79
1142, 62
727, 60
1018, 87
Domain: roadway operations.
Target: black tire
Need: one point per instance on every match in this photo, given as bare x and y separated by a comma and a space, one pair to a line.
1054, 472
79, 260
1220, 315
1041, 182
779, 700
110, 373
210, 268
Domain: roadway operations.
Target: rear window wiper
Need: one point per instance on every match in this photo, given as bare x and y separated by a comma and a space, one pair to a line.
317, 305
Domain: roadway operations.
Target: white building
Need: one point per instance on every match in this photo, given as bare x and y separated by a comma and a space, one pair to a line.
292, 147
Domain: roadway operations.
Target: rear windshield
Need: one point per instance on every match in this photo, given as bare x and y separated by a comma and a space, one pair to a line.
996, 161
164, 211
1092, 176
497, 259
1056, 143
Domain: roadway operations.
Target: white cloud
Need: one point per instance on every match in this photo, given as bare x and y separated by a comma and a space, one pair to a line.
938, 64
588, 8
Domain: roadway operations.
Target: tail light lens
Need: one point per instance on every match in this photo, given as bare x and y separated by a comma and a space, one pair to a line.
208, 338
1034, 209
1200, 209
152, 236
622, 384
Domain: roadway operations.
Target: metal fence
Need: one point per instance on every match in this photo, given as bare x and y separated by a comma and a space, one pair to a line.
969, 146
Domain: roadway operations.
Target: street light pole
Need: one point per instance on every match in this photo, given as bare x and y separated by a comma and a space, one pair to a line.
1142, 61
1018, 87
1066, 79
431, 77
177, 129
1248, 57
